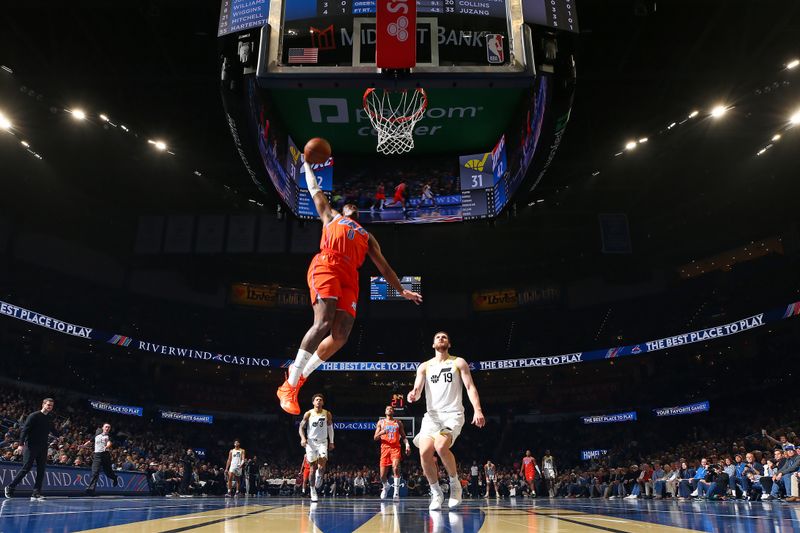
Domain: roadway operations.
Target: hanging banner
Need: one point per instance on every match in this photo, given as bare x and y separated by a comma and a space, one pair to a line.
690, 409
118, 409
630, 416
254, 295
186, 417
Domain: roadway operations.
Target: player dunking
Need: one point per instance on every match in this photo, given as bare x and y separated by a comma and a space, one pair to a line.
389, 432
528, 472
233, 467
442, 378
333, 281
318, 442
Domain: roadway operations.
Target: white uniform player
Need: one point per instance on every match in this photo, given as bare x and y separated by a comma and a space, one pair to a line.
549, 471
444, 401
443, 378
233, 467
318, 441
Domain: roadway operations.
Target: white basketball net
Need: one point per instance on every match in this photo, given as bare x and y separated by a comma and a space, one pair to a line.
394, 114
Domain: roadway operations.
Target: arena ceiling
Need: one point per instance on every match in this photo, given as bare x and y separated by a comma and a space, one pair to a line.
691, 191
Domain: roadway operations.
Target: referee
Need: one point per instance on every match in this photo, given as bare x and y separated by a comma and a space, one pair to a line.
35, 430
102, 458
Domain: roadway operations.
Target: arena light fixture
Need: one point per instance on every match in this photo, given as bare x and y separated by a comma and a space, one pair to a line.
776, 137
103, 117
718, 111
795, 119
793, 63
5, 124
643, 140
694, 113
672, 125
25, 144
78, 114
160, 145
630, 145
124, 127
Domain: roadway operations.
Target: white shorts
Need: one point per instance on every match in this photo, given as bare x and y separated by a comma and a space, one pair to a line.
236, 470
316, 449
441, 424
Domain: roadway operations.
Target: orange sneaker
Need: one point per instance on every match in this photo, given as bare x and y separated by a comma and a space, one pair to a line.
288, 398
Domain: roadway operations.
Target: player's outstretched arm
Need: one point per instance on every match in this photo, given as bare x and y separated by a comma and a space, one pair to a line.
472, 392
386, 271
416, 393
326, 212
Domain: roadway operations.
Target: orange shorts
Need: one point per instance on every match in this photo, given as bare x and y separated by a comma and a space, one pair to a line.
334, 279
390, 454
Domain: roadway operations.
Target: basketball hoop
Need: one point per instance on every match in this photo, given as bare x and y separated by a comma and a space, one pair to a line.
394, 114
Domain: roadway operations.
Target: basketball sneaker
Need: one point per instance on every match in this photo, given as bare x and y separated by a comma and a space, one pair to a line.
288, 396
314, 494
437, 499
455, 495
384, 492
396, 495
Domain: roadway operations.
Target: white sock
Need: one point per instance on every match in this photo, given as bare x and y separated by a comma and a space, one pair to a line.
397, 482
312, 365
297, 367
454, 482
385, 484
318, 481
435, 488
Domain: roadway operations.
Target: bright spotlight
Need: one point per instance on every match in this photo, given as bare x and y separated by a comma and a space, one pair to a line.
694, 113
776, 137
78, 114
25, 144
5, 124
793, 63
718, 111
103, 117
643, 140
630, 145
161, 145
795, 119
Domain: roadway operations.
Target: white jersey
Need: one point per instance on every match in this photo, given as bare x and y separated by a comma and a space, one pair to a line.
237, 458
318, 425
548, 465
443, 387
100, 442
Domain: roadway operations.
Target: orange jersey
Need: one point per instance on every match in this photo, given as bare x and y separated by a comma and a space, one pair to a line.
530, 467
344, 242
392, 436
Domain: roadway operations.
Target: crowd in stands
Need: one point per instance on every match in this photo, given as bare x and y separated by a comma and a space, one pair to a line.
716, 462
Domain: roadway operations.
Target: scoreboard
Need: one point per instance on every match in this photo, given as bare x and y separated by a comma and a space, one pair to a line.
380, 290
449, 32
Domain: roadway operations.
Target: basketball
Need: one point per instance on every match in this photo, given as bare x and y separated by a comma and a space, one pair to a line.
317, 151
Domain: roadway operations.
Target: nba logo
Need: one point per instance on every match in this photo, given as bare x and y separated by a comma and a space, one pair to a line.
494, 49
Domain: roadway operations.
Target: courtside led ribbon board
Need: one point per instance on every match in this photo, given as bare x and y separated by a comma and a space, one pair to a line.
690, 409
703, 335
118, 409
186, 417
630, 416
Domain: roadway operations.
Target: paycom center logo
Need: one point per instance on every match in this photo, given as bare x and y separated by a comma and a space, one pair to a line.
338, 111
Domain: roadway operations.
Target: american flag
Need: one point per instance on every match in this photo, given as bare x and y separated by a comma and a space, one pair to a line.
303, 55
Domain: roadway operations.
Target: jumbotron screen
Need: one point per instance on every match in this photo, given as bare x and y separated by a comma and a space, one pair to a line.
380, 290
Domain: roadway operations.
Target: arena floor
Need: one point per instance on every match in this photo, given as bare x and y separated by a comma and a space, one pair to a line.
162, 515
